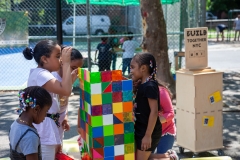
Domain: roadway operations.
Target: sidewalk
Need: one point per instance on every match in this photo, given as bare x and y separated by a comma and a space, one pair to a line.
231, 125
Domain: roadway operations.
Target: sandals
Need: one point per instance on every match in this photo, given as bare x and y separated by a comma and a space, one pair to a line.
172, 154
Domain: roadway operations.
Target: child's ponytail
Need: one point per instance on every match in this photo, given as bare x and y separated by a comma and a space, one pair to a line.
28, 53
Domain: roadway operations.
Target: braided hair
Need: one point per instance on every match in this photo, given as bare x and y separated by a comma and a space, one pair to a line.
32, 96
148, 60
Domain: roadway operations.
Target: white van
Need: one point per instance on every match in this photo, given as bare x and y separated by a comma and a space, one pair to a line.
210, 16
99, 25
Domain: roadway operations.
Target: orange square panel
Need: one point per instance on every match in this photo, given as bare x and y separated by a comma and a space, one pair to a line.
116, 75
127, 106
118, 129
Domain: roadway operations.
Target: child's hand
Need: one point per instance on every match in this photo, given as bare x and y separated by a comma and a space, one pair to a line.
59, 148
74, 74
65, 125
146, 142
66, 55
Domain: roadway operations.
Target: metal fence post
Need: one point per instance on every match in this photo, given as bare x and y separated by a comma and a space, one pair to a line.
88, 34
59, 22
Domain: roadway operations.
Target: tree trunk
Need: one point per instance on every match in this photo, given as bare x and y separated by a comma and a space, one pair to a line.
155, 39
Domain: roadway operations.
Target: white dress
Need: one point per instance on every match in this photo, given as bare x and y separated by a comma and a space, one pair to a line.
47, 130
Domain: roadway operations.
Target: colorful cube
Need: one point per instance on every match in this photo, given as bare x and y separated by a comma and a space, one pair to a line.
106, 115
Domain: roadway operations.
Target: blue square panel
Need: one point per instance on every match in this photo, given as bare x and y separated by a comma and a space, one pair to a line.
97, 132
127, 85
109, 151
117, 86
109, 158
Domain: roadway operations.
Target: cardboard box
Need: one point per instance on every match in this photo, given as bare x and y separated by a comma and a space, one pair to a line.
199, 109
199, 132
196, 90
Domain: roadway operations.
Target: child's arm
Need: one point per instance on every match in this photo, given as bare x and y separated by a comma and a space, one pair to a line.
63, 88
65, 124
78, 122
33, 156
166, 105
146, 141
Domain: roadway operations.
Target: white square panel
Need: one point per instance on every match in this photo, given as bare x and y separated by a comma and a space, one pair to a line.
89, 109
96, 88
119, 150
108, 119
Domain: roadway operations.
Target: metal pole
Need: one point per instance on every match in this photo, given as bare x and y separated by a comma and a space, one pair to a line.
88, 34
203, 13
59, 22
74, 23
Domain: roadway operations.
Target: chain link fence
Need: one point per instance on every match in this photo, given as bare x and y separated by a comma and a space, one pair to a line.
37, 21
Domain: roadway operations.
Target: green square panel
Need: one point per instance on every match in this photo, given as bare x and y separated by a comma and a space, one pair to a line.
95, 77
105, 85
85, 106
129, 138
90, 131
90, 142
106, 98
97, 121
109, 141
87, 87
108, 130
82, 74
83, 115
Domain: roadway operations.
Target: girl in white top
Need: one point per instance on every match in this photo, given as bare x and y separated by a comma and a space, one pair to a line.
47, 54
129, 47
76, 62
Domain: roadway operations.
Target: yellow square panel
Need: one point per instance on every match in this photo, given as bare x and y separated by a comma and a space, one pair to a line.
87, 75
96, 99
79, 73
87, 138
129, 156
117, 107
81, 84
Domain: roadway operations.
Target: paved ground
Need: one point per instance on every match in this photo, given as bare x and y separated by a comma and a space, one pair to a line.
231, 96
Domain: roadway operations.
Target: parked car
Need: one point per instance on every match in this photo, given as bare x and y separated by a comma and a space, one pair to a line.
210, 16
99, 25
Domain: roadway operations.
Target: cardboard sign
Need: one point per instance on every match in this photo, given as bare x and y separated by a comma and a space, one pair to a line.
196, 43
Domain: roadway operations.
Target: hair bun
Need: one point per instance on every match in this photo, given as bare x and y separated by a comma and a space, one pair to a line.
28, 53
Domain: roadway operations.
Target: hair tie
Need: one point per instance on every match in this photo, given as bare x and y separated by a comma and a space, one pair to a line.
151, 64
23, 104
31, 50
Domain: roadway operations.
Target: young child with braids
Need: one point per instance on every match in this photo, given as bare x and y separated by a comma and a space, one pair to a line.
148, 128
34, 102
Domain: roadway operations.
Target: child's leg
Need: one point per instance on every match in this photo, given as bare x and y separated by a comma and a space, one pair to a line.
129, 62
124, 65
100, 65
166, 143
142, 155
48, 152
170, 155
